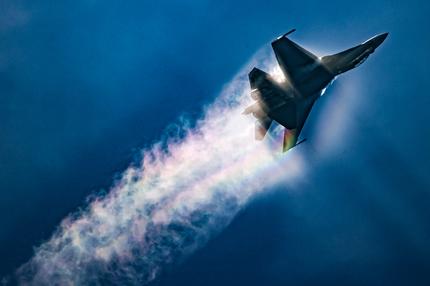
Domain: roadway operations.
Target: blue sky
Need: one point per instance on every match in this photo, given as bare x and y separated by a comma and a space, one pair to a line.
84, 85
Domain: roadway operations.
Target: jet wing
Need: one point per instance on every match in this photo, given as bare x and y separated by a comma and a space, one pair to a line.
294, 60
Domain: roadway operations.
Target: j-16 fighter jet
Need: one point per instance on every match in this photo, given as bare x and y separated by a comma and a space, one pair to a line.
306, 77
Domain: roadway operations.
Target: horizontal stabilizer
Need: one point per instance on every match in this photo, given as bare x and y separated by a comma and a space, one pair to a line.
257, 77
263, 86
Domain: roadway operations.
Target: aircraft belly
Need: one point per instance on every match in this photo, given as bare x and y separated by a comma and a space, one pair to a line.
314, 82
286, 115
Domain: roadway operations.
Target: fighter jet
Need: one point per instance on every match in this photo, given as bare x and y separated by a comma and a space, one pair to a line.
306, 77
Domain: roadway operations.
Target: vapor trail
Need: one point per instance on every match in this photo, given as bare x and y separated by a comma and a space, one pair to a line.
185, 190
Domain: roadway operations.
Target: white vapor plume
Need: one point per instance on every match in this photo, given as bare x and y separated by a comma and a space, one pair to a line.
184, 191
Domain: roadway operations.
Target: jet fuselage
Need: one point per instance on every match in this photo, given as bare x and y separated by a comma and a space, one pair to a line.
290, 102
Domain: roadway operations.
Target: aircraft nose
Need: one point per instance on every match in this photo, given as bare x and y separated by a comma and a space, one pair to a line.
379, 39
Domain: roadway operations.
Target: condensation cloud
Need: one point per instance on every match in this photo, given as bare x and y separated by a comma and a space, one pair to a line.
185, 190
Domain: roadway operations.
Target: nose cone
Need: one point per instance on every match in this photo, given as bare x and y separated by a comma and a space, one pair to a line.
379, 39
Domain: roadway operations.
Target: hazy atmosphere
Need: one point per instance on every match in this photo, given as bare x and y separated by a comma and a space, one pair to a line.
124, 156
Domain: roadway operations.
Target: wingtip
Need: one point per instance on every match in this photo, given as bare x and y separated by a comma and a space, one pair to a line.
290, 32
286, 34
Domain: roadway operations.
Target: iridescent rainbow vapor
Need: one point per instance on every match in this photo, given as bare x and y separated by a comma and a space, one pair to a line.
160, 212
